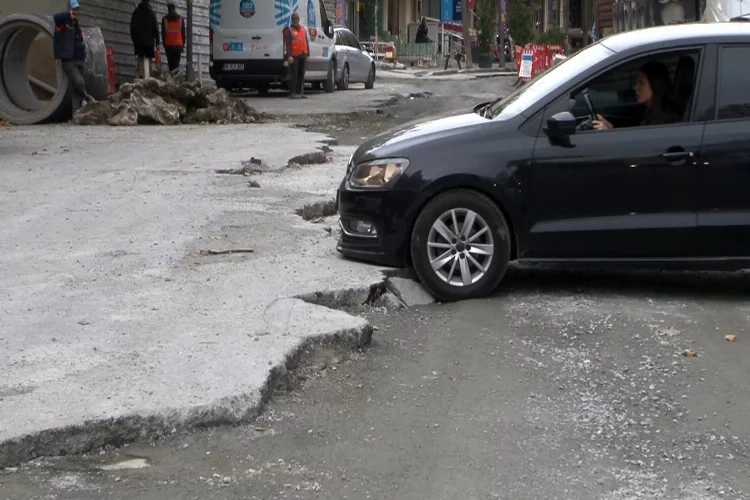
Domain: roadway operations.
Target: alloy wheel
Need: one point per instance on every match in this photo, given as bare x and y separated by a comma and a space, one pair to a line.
460, 247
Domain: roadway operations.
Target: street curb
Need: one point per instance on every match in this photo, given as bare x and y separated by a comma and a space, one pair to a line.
243, 408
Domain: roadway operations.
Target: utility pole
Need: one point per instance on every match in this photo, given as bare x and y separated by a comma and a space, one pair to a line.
501, 30
189, 62
465, 20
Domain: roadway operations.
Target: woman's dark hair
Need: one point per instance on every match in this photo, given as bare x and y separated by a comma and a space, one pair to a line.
657, 75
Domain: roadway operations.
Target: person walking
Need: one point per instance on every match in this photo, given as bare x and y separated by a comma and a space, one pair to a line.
422, 32
144, 32
70, 49
173, 35
297, 50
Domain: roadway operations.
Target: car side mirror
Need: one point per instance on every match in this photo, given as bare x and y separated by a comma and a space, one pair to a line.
561, 125
329, 29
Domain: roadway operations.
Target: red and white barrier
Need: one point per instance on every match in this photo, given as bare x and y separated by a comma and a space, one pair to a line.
533, 59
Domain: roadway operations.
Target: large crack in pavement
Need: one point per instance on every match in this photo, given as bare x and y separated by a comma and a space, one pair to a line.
160, 339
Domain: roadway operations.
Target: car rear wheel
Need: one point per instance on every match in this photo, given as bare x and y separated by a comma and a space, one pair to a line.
343, 84
460, 245
330, 83
370, 83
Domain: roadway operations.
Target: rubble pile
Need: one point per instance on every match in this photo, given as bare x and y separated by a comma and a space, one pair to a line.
155, 101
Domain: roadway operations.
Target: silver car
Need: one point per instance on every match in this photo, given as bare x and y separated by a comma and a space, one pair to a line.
353, 64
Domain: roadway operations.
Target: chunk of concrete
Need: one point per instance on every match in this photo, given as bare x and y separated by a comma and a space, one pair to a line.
410, 292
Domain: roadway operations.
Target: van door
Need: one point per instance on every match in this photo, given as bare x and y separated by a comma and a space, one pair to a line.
321, 45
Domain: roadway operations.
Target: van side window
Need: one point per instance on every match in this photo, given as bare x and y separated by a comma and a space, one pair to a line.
732, 89
323, 15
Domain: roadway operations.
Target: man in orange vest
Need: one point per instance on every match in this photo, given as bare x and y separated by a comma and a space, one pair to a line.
296, 50
173, 34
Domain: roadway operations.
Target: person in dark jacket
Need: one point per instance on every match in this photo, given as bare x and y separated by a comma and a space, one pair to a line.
422, 32
173, 35
144, 31
70, 48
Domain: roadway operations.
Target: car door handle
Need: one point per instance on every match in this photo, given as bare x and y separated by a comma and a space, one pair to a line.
676, 155
257, 37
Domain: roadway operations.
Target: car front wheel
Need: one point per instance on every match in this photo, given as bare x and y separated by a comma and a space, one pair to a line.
460, 245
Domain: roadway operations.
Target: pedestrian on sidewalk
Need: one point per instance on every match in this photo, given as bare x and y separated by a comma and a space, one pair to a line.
173, 35
70, 48
297, 50
422, 31
144, 32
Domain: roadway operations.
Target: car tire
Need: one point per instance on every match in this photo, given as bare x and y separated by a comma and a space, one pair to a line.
343, 83
317, 85
370, 83
472, 267
330, 84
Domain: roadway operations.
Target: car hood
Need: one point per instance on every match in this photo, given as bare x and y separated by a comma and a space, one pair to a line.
416, 132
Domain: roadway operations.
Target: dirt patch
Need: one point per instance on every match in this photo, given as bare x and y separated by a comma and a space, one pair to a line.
318, 210
316, 158
165, 101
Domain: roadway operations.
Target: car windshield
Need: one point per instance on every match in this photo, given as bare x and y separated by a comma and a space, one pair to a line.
544, 83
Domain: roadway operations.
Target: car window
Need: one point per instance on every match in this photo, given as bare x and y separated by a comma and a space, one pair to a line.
613, 93
733, 89
354, 41
337, 38
549, 81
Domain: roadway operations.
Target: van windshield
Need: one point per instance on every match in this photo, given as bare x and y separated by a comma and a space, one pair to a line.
544, 83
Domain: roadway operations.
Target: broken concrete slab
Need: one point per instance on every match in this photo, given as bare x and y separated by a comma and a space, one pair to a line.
113, 324
155, 101
410, 292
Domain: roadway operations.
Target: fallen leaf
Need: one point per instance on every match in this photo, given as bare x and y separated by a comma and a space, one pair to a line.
84, 322
730, 338
671, 332
689, 353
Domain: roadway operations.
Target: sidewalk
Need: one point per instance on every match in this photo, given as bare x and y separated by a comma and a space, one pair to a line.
452, 73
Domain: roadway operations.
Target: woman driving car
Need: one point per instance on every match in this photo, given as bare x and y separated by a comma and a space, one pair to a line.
651, 90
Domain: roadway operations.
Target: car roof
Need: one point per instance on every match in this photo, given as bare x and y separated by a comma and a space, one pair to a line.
688, 32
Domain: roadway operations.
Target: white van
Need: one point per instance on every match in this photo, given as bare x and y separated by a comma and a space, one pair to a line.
247, 43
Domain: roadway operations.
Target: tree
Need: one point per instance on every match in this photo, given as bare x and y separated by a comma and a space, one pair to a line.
521, 23
485, 26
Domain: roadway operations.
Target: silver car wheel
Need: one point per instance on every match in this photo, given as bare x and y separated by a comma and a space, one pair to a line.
460, 247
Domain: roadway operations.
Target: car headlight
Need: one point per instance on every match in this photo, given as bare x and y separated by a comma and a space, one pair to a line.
378, 173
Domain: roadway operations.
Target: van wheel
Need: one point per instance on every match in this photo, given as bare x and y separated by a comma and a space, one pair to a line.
330, 83
370, 83
460, 245
343, 84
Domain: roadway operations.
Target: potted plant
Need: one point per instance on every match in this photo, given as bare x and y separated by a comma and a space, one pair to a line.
485, 32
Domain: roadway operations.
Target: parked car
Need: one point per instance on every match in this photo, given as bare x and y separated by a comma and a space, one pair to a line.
526, 178
353, 63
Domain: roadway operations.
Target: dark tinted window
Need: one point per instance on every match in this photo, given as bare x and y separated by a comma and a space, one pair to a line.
734, 84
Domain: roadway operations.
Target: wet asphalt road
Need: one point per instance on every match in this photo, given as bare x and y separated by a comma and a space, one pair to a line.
563, 385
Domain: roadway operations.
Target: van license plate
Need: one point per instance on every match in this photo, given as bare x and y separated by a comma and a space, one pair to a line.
234, 67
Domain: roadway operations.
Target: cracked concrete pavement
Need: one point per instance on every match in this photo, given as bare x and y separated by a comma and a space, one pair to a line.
113, 324
563, 385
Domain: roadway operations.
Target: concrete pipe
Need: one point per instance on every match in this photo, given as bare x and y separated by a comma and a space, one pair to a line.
33, 88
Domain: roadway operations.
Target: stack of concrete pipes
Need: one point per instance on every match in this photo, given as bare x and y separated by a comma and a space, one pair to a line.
33, 88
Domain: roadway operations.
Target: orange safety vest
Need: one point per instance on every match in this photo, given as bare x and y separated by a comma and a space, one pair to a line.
299, 42
173, 34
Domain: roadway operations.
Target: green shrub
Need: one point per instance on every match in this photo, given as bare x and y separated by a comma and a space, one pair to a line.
485, 25
521, 23
553, 36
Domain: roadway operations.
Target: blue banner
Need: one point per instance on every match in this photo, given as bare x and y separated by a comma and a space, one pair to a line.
450, 11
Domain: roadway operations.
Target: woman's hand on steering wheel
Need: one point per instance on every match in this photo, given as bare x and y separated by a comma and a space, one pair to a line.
601, 123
